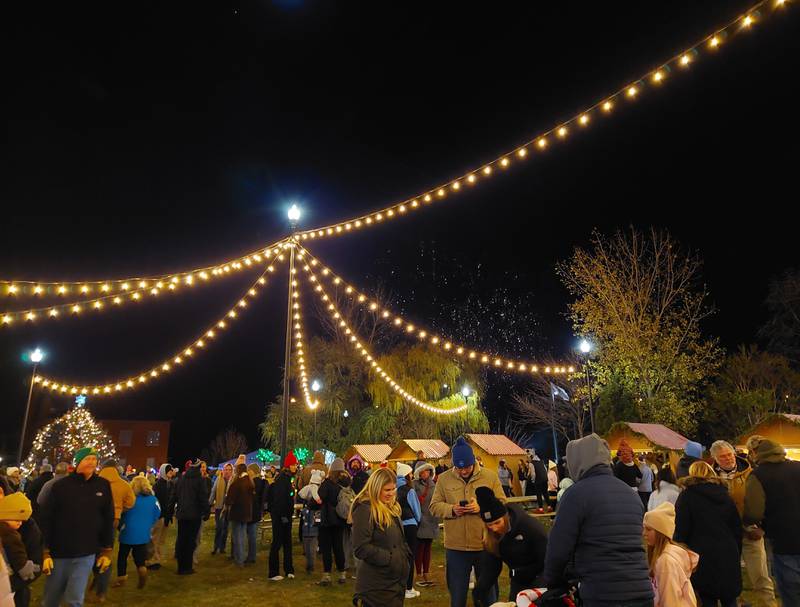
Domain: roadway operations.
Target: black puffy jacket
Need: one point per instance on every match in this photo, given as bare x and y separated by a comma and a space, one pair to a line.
191, 496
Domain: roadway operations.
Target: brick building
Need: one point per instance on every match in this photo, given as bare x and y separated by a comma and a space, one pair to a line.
142, 444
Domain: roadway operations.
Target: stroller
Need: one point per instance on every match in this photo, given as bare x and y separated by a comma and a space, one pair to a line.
562, 596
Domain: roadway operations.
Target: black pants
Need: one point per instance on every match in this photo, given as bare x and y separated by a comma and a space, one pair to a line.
540, 491
331, 540
281, 538
410, 531
186, 543
22, 594
507, 490
139, 557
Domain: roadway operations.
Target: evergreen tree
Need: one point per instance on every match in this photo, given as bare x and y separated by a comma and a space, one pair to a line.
59, 439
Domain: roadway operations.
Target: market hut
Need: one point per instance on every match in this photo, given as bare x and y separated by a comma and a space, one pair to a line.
783, 428
371, 454
406, 450
491, 448
646, 438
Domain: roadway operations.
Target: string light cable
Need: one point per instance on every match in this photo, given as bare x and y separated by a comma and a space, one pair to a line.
361, 349
126, 286
166, 366
651, 80
412, 329
298, 335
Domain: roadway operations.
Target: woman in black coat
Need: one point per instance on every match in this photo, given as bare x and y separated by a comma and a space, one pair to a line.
331, 529
707, 521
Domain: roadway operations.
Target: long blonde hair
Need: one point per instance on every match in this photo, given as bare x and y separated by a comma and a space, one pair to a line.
141, 486
655, 551
381, 514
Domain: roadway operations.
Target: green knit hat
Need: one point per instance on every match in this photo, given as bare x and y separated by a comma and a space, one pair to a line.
81, 453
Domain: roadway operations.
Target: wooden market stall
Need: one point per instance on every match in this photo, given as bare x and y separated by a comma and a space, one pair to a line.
371, 454
406, 450
783, 428
491, 448
647, 438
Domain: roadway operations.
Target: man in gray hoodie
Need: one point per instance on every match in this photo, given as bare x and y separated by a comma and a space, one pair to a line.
597, 535
62, 469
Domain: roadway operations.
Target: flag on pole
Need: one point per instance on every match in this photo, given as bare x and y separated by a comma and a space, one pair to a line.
558, 391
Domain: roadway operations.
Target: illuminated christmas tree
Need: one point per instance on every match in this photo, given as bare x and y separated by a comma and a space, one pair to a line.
58, 440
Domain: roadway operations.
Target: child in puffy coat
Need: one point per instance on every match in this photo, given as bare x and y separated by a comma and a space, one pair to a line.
311, 490
671, 565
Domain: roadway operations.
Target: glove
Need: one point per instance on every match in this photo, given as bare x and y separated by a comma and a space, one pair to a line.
47, 565
29, 571
103, 563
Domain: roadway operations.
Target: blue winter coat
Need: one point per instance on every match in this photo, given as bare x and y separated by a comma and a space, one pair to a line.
597, 536
136, 523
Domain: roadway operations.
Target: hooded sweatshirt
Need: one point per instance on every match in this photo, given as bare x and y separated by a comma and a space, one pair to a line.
598, 531
672, 573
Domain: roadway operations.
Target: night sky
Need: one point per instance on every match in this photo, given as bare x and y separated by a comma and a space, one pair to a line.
150, 137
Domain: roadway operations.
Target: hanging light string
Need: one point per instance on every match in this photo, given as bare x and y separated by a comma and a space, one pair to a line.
422, 334
130, 293
298, 336
178, 359
373, 365
126, 286
651, 80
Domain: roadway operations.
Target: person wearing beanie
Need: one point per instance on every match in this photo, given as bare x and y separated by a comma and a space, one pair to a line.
239, 506
512, 537
454, 501
34, 488
671, 565
692, 452
428, 529
626, 469
707, 521
597, 532
191, 508
772, 501
410, 515
331, 528
280, 503
355, 466
77, 521
22, 548
164, 490
14, 477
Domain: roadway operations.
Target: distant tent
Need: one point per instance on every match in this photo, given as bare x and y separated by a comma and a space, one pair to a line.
406, 450
491, 448
645, 438
783, 428
372, 454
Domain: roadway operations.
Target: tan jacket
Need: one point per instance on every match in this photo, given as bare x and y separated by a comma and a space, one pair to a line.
736, 482
220, 489
462, 532
121, 491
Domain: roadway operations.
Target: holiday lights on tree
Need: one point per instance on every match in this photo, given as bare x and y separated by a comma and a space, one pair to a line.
58, 440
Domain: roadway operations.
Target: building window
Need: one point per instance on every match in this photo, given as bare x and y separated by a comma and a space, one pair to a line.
151, 463
153, 438
125, 438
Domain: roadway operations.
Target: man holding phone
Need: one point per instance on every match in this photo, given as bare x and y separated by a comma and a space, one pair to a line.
454, 501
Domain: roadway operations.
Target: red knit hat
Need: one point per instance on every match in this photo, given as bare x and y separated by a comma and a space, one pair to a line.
290, 460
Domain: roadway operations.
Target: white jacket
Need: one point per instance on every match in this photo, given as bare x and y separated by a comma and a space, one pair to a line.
667, 492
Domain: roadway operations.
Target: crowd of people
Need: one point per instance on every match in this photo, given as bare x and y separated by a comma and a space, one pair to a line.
628, 530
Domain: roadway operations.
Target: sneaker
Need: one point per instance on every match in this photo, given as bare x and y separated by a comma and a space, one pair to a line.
325, 581
290, 576
276, 578
343, 578
412, 594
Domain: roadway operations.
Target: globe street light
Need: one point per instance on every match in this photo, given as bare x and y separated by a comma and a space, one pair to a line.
465, 392
36, 356
585, 346
294, 215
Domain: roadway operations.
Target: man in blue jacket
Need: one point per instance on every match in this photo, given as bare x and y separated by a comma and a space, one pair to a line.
597, 534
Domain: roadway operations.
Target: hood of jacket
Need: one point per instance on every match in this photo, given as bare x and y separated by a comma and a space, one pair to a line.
401, 481
769, 452
686, 559
111, 475
355, 458
712, 491
586, 453
162, 471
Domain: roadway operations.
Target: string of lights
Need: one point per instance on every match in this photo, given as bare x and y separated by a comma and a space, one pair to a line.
126, 286
604, 107
298, 335
165, 367
414, 330
373, 365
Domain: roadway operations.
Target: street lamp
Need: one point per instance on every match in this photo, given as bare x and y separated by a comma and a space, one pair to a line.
36, 357
294, 217
316, 386
585, 346
465, 392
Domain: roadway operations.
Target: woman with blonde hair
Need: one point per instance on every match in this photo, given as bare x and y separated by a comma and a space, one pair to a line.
135, 525
707, 521
670, 564
379, 543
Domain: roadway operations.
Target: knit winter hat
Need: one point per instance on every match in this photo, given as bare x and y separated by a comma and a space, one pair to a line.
336, 466
463, 456
693, 449
624, 451
403, 470
491, 507
662, 519
15, 507
289, 460
85, 452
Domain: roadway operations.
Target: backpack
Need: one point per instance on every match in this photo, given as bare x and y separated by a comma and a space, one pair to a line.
344, 502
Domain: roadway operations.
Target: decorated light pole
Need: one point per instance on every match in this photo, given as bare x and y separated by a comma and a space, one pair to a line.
35, 357
294, 217
316, 386
586, 348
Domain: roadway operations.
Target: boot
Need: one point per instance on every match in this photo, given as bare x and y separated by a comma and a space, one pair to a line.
120, 581
325, 581
142, 576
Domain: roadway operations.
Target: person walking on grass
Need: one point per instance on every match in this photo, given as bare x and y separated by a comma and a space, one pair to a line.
331, 530
410, 515
428, 529
218, 492
135, 526
280, 503
260, 486
191, 509
164, 491
671, 565
239, 508
78, 530
379, 543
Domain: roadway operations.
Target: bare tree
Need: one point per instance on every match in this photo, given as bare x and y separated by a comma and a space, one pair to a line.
535, 407
227, 445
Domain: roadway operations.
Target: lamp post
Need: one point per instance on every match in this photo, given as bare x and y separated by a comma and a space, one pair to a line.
316, 386
36, 357
586, 347
293, 214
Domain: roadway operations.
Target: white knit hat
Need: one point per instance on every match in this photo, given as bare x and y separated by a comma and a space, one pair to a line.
662, 519
403, 469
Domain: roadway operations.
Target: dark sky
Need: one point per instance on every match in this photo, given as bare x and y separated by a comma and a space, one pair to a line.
149, 137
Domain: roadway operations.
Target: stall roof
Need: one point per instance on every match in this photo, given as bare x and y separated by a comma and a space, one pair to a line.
433, 448
373, 453
496, 444
659, 435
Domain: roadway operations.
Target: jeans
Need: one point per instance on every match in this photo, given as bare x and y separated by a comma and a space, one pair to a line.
157, 535
220, 531
252, 528
330, 541
239, 539
310, 546
67, 583
139, 557
786, 568
281, 538
186, 543
459, 564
